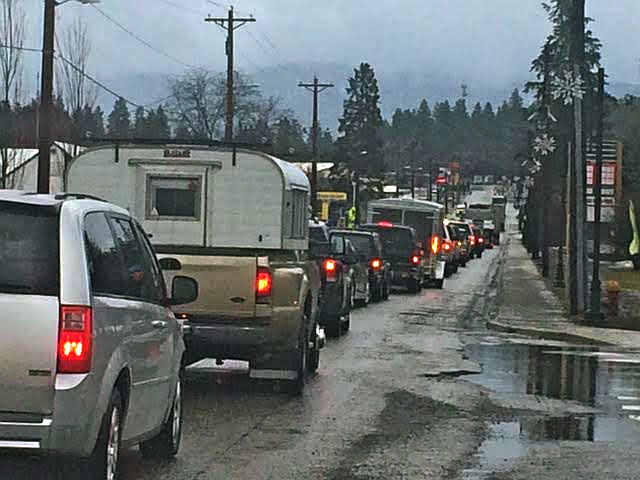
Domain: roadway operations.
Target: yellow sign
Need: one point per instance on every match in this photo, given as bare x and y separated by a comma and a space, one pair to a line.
332, 196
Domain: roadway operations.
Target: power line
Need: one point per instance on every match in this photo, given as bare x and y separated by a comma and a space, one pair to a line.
25, 49
96, 82
182, 7
141, 40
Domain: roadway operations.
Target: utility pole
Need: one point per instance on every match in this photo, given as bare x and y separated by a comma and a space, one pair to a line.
316, 88
546, 166
596, 286
46, 98
576, 172
230, 24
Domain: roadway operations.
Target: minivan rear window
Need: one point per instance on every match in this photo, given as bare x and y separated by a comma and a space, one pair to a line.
28, 249
397, 240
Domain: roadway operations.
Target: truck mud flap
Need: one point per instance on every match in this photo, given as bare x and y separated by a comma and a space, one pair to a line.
440, 270
273, 374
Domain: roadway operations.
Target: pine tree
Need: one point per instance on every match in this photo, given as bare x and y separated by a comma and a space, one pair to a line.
161, 127
140, 124
477, 112
119, 122
361, 123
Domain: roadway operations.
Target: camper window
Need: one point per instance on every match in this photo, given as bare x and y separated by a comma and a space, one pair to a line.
173, 198
299, 216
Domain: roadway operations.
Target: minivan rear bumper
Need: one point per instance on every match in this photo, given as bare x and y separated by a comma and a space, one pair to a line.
71, 430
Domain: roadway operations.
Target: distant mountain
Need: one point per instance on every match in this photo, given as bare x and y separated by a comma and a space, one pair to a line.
620, 89
397, 89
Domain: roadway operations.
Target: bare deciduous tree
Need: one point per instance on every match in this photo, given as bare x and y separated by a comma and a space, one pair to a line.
74, 44
12, 33
198, 102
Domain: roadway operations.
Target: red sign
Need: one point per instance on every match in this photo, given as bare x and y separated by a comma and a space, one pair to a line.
441, 180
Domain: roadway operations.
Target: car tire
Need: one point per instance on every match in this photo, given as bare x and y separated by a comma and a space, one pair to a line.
386, 291
104, 462
346, 323
313, 356
166, 444
363, 302
438, 284
333, 325
413, 286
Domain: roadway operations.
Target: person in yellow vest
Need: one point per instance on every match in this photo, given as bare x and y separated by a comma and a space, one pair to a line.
351, 218
634, 248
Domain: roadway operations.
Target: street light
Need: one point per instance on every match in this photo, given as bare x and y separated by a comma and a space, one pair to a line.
46, 92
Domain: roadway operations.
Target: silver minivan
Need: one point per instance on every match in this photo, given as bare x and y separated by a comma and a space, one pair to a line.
91, 356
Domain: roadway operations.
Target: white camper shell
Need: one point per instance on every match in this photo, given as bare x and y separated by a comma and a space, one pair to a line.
201, 196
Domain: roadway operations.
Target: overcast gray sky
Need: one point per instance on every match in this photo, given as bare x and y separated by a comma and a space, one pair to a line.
483, 42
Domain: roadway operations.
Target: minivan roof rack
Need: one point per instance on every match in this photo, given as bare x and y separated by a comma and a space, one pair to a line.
78, 196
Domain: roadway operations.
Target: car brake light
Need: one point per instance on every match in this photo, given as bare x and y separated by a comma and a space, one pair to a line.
435, 245
75, 339
480, 240
376, 263
263, 283
385, 224
472, 239
331, 268
415, 260
447, 247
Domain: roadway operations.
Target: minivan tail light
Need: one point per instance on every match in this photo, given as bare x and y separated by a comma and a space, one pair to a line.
331, 268
263, 283
75, 339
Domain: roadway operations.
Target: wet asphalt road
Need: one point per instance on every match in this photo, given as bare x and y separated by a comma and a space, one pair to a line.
417, 389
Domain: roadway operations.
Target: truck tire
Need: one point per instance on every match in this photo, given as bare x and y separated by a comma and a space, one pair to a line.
298, 361
386, 291
166, 444
313, 356
346, 323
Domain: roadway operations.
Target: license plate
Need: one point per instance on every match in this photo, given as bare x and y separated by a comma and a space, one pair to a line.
440, 271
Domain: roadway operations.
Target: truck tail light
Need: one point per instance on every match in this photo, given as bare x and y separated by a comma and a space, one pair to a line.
376, 264
472, 240
415, 259
264, 283
480, 240
435, 245
331, 268
447, 247
75, 339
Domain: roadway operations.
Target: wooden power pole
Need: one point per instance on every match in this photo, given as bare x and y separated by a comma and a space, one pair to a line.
46, 98
317, 88
230, 24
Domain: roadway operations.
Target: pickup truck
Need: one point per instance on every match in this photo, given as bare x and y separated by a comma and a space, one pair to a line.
336, 292
236, 220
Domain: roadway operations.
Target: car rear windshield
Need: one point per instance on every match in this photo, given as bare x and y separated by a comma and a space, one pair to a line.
397, 240
458, 231
318, 234
28, 249
362, 243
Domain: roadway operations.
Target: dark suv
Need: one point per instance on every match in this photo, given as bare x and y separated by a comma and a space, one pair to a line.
372, 261
336, 291
401, 249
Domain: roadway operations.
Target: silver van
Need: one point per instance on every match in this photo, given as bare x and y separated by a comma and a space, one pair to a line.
91, 355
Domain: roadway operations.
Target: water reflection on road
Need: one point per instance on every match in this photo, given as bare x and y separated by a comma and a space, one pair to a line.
606, 381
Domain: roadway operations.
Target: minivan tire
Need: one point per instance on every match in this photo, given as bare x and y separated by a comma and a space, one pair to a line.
166, 444
100, 465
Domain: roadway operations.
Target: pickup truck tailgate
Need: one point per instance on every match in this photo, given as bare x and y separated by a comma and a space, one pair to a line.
227, 284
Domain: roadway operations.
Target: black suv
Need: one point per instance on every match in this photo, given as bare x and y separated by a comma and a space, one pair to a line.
336, 292
372, 264
401, 249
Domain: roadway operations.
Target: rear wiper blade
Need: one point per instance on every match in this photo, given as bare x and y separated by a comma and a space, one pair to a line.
15, 288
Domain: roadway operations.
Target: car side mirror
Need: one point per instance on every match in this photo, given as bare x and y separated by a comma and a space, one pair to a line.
350, 259
183, 290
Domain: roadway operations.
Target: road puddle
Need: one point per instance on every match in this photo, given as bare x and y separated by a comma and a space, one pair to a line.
607, 381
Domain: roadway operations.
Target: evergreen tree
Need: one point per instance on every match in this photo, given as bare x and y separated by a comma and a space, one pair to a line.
361, 123
140, 126
161, 124
119, 122
476, 115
